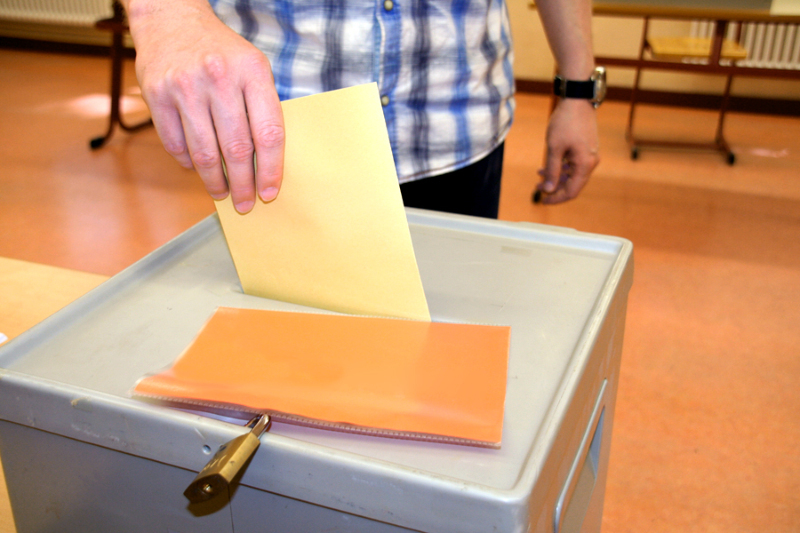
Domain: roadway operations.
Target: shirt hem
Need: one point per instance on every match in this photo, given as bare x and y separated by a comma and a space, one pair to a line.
460, 164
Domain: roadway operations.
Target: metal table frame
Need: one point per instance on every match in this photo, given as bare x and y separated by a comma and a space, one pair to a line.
721, 16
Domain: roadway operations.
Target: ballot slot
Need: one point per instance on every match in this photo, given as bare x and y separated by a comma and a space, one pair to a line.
576, 495
227, 465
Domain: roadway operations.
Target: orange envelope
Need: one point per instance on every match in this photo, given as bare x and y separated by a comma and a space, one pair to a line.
381, 376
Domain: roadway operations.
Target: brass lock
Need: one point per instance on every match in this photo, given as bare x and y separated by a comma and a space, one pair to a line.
218, 475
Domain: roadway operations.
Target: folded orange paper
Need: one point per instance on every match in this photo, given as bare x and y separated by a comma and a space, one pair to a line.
389, 377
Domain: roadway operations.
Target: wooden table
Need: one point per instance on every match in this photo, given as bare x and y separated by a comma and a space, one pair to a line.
749, 10
721, 13
30, 293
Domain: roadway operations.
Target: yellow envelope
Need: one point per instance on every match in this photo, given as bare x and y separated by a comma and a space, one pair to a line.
336, 237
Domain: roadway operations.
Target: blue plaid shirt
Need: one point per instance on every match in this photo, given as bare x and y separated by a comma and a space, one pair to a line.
443, 68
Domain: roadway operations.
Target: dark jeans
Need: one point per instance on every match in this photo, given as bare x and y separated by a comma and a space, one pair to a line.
472, 190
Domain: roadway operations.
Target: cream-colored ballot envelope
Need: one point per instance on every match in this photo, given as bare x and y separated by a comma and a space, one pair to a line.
336, 237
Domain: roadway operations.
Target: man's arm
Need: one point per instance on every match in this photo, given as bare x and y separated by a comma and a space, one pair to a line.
572, 138
212, 97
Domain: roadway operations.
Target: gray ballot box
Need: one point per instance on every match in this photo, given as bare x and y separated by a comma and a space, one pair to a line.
81, 455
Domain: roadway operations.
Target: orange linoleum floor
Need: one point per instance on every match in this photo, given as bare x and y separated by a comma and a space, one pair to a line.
707, 429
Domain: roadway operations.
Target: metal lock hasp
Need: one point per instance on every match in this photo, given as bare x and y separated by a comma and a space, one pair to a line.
219, 474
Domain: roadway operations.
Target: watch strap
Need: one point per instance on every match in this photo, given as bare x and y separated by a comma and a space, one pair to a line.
573, 89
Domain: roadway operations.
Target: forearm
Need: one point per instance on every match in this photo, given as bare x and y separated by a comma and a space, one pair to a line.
572, 139
568, 26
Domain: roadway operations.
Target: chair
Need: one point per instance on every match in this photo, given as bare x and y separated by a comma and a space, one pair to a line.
681, 50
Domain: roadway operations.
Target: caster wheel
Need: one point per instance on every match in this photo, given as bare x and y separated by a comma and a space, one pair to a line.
731, 158
634, 153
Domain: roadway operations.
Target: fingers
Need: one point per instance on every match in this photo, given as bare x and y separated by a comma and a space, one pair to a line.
168, 124
247, 121
581, 169
571, 175
232, 135
268, 135
181, 104
553, 171
215, 108
572, 152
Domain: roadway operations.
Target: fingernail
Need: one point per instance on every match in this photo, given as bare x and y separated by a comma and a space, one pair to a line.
269, 194
245, 206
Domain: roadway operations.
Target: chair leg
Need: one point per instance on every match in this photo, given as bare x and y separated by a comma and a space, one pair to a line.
719, 139
629, 137
118, 27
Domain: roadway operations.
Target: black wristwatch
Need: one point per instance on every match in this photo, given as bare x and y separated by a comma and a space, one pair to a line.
593, 89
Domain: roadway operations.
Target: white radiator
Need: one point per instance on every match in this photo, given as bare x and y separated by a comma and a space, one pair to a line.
66, 12
768, 45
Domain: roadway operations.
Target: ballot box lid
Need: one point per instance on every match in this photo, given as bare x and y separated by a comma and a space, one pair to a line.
73, 373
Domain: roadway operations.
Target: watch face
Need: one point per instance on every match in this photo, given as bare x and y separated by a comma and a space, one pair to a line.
600, 86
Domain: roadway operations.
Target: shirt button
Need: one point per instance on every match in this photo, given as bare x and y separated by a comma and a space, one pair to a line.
384, 100
388, 5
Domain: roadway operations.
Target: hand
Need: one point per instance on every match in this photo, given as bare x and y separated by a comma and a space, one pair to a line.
572, 151
212, 98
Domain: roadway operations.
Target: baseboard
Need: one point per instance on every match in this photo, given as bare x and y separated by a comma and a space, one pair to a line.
742, 104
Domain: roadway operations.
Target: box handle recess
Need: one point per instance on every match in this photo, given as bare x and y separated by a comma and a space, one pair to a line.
588, 449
